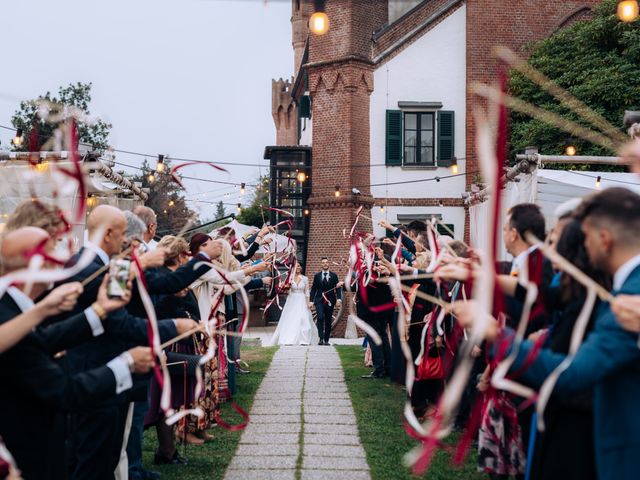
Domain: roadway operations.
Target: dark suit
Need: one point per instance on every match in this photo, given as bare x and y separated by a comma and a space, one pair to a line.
324, 295
35, 390
608, 361
98, 431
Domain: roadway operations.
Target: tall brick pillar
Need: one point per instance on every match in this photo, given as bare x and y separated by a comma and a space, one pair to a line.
340, 82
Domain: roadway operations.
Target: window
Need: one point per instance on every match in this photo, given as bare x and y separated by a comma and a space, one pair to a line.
418, 138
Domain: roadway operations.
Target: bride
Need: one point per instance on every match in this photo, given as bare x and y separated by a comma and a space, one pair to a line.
296, 325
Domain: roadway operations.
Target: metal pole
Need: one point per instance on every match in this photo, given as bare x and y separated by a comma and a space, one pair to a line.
589, 159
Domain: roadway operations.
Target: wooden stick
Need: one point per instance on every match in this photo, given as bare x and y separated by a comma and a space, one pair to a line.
425, 296
495, 95
126, 252
409, 277
177, 338
567, 99
568, 267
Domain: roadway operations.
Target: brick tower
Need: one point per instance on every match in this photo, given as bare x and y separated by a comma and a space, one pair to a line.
340, 81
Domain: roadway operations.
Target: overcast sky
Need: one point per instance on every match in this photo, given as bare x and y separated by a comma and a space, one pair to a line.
188, 78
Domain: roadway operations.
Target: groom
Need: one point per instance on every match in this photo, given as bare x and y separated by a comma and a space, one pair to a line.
326, 292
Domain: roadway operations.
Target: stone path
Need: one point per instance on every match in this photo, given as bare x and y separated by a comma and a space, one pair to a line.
302, 423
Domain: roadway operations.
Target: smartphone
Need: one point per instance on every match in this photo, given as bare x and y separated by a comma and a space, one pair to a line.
118, 277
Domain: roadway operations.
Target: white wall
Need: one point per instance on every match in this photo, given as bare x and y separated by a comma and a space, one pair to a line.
432, 69
454, 215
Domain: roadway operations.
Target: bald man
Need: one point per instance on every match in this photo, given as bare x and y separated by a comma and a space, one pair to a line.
99, 432
35, 389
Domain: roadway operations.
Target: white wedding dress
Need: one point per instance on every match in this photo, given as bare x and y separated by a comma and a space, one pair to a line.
296, 325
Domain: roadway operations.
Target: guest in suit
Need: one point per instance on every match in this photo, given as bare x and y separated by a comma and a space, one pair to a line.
35, 388
148, 216
326, 293
609, 359
99, 430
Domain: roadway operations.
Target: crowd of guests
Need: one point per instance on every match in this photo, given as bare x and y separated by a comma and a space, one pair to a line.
76, 369
592, 428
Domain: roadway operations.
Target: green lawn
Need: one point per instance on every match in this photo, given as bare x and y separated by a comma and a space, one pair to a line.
378, 405
209, 461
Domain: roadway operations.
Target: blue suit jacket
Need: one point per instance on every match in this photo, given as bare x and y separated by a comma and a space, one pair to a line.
608, 361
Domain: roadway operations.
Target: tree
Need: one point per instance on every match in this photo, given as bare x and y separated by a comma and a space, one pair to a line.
220, 211
256, 213
597, 61
165, 198
75, 95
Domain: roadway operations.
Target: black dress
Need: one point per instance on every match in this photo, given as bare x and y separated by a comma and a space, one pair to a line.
565, 450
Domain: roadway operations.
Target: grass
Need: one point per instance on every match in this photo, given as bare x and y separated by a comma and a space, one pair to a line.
378, 405
209, 461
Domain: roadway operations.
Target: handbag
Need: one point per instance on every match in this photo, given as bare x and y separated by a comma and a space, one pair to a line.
430, 368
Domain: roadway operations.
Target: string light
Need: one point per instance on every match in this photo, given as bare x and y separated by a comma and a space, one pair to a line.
337, 192
239, 208
160, 166
151, 177
301, 177
598, 181
440, 204
91, 200
381, 208
242, 188
306, 211
628, 10
454, 165
171, 203
18, 139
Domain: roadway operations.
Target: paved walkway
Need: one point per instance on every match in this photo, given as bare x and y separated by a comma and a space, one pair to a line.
302, 423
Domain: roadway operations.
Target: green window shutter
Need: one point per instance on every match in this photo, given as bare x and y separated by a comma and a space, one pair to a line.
393, 150
305, 106
446, 138
443, 231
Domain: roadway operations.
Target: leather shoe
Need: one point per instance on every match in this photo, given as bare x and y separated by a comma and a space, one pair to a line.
321, 342
372, 375
176, 459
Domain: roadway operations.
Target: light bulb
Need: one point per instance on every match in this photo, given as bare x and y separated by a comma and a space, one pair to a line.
454, 166
306, 211
628, 10
160, 166
301, 177
171, 203
18, 139
242, 188
598, 180
570, 150
151, 178
319, 23
337, 192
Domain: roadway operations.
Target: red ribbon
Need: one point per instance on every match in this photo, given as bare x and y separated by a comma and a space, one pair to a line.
176, 178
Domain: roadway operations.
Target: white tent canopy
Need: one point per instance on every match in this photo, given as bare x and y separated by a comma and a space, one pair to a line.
549, 189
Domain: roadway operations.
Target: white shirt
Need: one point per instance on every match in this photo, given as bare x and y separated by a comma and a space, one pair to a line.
325, 275
624, 271
100, 253
519, 261
151, 245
